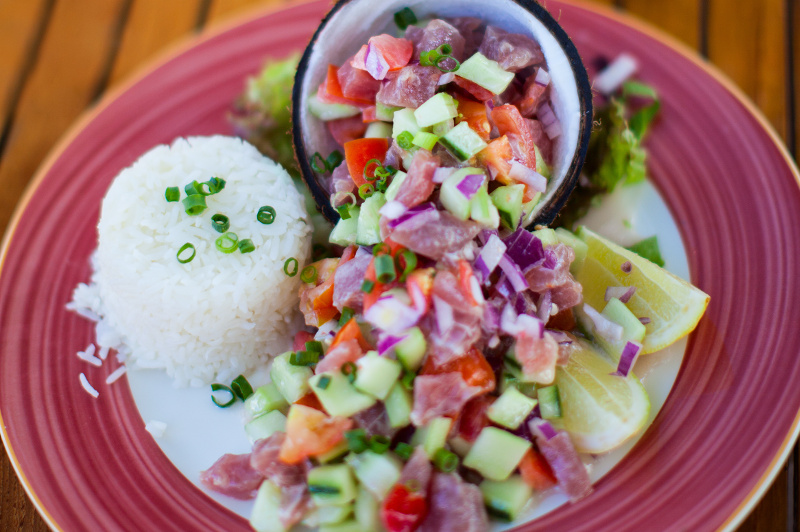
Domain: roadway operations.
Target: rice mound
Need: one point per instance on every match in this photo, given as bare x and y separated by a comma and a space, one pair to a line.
220, 314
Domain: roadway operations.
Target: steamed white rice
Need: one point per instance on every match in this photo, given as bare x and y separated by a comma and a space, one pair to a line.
220, 314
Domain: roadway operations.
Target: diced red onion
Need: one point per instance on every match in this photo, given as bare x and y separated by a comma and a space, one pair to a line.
603, 326
553, 130
376, 64
475, 288
491, 254
552, 127
485, 235
428, 210
533, 326
418, 299
444, 314
645, 320
626, 266
442, 173
623, 293
470, 184
615, 74
361, 251
630, 353
508, 321
504, 287
391, 315
387, 342
524, 248
542, 77
523, 174
447, 78
493, 342
513, 273
491, 318
545, 305
327, 330
392, 210
542, 429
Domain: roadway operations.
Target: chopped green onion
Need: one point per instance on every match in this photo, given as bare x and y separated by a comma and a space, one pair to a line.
349, 370
246, 245
437, 56
309, 274
324, 382
227, 243
405, 140
266, 215
194, 204
324, 166
241, 388
194, 188
327, 490
320, 168
347, 314
373, 176
304, 358
184, 247
356, 440
382, 185
366, 190
220, 223
367, 286
406, 261
290, 266
405, 18
407, 380
445, 461
314, 346
344, 211
385, 172
172, 193
404, 450
333, 160
216, 387
444, 69
384, 269
379, 444
215, 185
381, 248
445, 49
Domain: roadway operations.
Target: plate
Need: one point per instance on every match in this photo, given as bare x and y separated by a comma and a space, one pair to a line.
720, 439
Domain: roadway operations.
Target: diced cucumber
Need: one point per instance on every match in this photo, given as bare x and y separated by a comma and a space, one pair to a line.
441, 129
505, 499
496, 453
369, 230
549, 402
376, 472
462, 142
459, 445
483, 210
341, 449
508, 200
433, 436
385, 112
411, 350
394, 186
265, 425
366, 511
266, 507
351, 525
633, 330
399, 404
378, 130
292, 381
346, 231
334, 514
438, 108
452, 199
547, 236
330, 111
265, 399
376, 374
484, 72
541, 167
580, 248
425, 140
339, 397
408, 157
511, 408
404, 120
332, 485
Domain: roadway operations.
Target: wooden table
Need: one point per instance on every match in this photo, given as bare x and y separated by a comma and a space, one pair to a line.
57, 57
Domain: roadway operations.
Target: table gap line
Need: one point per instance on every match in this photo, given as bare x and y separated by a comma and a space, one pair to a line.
113, 50
204, 7
702, 40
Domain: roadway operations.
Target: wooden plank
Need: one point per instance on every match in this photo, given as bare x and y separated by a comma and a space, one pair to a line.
22, 514
746, 40
681, 18
794, 36
70, 65
222, 9
151, 26
770, 514
20, 28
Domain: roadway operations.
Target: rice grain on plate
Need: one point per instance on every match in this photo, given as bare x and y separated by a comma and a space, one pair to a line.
220, 314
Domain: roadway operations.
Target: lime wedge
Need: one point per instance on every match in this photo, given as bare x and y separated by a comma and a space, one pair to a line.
600, 411
673, 305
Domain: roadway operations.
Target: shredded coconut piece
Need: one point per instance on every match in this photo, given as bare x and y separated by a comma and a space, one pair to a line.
88, 387
116, 374
156, 428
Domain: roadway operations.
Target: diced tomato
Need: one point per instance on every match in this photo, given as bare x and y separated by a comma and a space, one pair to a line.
310, 432
331, 90
510, 122
474, 369
473, 418
344, 130
396, 51
310, 400
369, 115
348, 253
351, 331
474, 114
465, 280
300, 340
536, 472
564, 320
497, 156
359, 152
403, 510
474, 89
419, 285
316, 301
